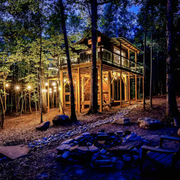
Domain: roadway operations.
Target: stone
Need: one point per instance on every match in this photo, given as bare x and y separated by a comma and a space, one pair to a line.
103, 161
65, 155
178, 132
126, 157
67, 141
119, 164
86, 134
73, 148
122, 121
83, 149
148, 123
60, 120
63, 147
43, 126
77, 138
93, 149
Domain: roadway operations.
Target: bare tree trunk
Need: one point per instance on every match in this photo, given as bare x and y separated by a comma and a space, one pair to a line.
73, 113
30, 102
44, 103
144, 57
171, 105
93, 98
2, 112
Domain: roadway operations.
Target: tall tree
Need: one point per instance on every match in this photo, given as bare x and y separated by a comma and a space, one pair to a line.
73, 113
171, 106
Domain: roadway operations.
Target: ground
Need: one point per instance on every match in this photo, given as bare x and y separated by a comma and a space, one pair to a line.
41, 164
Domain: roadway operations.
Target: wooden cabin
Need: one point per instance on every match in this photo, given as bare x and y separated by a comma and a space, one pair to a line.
120, 77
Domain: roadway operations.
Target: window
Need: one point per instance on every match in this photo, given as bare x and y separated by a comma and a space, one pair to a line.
106, 55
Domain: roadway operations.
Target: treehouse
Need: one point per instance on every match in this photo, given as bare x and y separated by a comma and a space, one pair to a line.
120, 76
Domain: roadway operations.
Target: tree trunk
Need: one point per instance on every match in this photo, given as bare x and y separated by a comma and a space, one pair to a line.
144, 57
44, 103
73, 113
30, 102
2, 112
93, 98
171, 105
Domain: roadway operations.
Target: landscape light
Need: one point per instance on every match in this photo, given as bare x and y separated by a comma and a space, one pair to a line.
17, 87
7, 85
29, 87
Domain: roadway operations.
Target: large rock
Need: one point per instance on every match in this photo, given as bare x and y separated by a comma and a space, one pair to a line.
60, 120
148, 123
43, 126
178, 132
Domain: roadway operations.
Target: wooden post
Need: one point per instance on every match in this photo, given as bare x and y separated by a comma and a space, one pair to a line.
82, 86
109, 85
61, 91
126, 88
129, 88
101, 87
48, 95
79, 91
120, 88
76, 99
129, 58
143, 87
136, 96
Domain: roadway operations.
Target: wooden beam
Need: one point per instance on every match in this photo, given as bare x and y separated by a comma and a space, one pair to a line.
129, 88
136, 88
100, 87
120, 88
82, 90
48, 95
79, 91
109, 85
61, 91
76, 93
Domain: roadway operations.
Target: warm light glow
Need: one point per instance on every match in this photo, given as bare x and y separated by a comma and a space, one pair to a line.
64, 80
46, 84
53, 83
50, 89
50, 92
54, 90
59, 88
55, 87
17, 87
29, 87
7, 85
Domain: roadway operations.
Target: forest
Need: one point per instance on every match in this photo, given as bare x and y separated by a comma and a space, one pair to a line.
37, 37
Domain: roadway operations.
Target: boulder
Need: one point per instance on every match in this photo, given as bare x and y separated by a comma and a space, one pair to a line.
148, 123
43, 126
60, 120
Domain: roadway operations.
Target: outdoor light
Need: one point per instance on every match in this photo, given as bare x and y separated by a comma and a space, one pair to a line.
50, 89
46, 84
54, 90
29, 87
55, 87
53, 83
7, 85
59, 88
64, 80
50, 92
17, 87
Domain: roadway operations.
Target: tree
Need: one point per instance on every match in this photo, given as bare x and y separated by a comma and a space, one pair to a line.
73, 113
171, 106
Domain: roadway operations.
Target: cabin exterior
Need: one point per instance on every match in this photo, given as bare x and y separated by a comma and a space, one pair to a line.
120, 77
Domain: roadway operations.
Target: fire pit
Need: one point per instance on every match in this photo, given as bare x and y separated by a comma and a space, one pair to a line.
102, 149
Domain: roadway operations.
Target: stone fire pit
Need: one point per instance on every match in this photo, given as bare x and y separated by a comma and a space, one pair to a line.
102, 149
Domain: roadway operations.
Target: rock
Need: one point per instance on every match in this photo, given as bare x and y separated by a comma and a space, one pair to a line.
93, 149
77, 138
63, 147
60, 120
119, 164
73, 148
178, 132
148, 123
65, 155
86, 134
83, 149
124, 121
43, 175
67, 141
127, 157
44, 126
103, 161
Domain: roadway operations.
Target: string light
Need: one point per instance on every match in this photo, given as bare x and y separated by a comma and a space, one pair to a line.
29, 87
46, 84
17, 88
7, 85
53, 83
54, 90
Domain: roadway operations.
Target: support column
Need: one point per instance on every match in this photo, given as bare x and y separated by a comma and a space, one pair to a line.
136, 96
109, 85
48, 95
100, 87
126, 88
128, 58
82, 90
143, 86
120, 91
129, 88
79, 91
61, 91
76, 93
